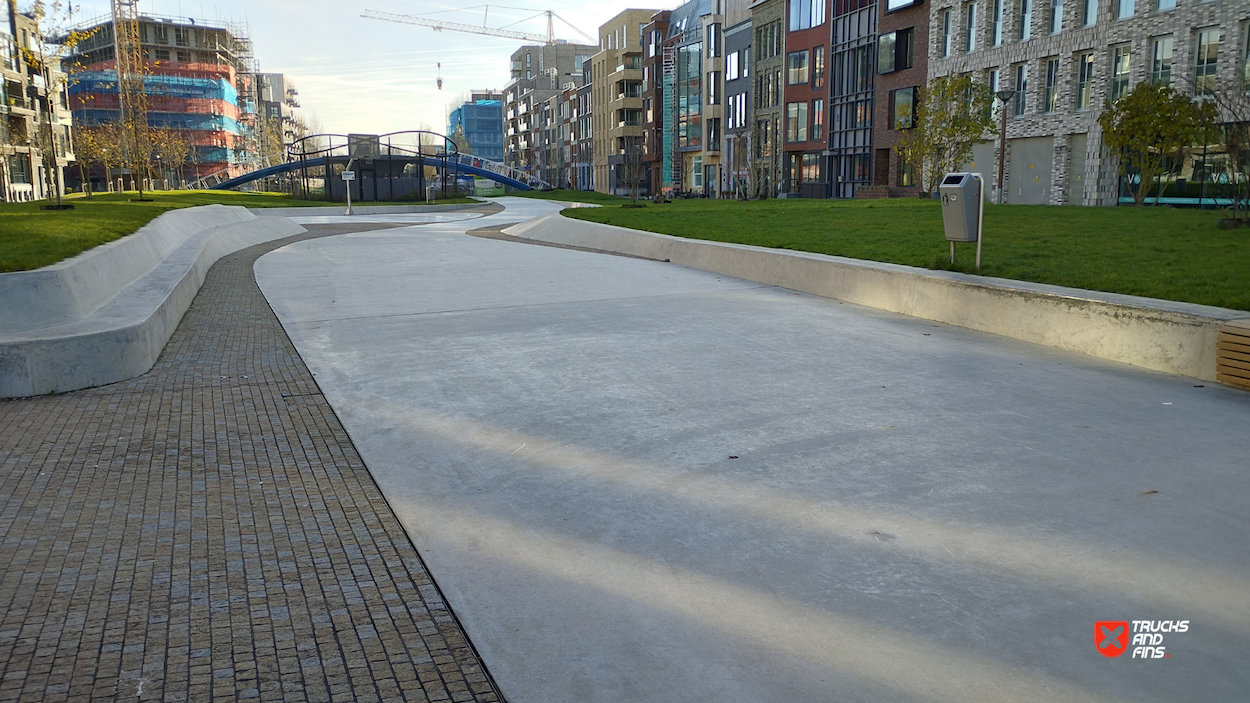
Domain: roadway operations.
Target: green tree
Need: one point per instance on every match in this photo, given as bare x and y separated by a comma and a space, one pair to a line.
1149, 126
44, 58
953, 115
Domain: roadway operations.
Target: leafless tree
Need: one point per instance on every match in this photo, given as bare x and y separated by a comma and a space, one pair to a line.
633, 166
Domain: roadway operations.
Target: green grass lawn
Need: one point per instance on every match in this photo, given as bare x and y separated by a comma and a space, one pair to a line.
572, 196
31, 238
1154, 252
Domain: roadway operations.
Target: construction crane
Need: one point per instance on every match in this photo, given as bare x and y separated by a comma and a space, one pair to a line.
438, 25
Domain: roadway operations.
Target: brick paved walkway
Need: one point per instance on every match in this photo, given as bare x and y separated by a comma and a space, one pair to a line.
208, 532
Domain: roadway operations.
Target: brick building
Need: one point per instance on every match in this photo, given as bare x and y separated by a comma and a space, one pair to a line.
902, 70
1065, 60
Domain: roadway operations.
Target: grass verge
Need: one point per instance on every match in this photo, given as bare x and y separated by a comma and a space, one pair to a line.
31, 238
572, 196
1165, 253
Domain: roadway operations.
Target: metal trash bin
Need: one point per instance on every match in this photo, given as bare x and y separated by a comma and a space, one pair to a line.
963, 207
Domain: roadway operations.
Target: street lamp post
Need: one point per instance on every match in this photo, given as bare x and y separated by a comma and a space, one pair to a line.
1003, 97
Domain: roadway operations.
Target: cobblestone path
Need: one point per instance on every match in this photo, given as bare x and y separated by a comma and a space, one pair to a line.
208, 532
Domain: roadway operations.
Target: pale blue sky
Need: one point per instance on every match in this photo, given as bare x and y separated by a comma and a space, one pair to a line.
363, 75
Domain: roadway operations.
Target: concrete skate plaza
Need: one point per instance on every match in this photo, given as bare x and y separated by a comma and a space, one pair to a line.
638, 481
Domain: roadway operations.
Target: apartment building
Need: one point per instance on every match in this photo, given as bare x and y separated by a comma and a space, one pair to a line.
201, 82
479, 116
30, 103
1065, 60
741, 176
901, 72
616, 76
279, 102
806, 98
583, 134
539, 72
768, 18
654, 108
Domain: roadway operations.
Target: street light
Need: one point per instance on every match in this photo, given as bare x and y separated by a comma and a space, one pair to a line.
1003, 97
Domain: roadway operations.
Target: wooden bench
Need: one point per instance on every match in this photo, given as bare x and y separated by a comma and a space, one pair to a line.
1232, 354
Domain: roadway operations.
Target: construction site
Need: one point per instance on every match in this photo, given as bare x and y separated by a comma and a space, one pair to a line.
197, 84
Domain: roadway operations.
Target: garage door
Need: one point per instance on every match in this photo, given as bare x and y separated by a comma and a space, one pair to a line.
1029, 171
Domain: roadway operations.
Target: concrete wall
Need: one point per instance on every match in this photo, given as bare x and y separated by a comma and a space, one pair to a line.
360, 209
104, 317
1177, 338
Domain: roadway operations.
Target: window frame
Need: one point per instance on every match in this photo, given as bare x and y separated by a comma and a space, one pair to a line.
791, 78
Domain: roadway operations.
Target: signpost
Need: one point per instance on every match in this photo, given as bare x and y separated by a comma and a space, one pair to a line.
348, 177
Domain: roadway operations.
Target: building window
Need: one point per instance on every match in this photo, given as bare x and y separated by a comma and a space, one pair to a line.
1091, 13
818, 121
746, 62
1022, 89
1120, 61
731, 66
1084, 79
805, 14
1165, 5
998, 22
906, 173
796, 122
1052, 85
713, 133
885, 52
970, 27
894, 51
796, 67
1056, 16
903, 108
1026, 19
992, 78
1245, 61
1124, 9
818, 67
1161, 60
713, 41
946, 32
713, 88
1207, 60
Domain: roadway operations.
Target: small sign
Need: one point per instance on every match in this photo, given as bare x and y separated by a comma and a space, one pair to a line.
349, 175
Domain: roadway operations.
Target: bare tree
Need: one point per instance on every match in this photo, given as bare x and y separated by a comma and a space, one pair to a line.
633, 166
1230, 123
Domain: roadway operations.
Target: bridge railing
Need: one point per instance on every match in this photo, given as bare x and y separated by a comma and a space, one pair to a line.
505, 170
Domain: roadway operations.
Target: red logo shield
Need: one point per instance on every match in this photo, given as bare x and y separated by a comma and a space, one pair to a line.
1111, 637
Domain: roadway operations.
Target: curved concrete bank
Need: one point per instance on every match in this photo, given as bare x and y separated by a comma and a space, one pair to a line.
104, 315
360, 209
1167, 336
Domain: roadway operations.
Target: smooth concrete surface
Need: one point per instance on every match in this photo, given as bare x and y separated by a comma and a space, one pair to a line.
76, 287
358, 209
1161, 335
406, 217
638, 481
122, 336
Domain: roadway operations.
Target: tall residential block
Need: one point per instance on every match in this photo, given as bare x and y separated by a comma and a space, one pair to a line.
616, 76
279, 105
479, 115
539, 72
35, 122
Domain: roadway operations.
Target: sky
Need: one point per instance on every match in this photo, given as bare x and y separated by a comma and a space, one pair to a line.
365, 75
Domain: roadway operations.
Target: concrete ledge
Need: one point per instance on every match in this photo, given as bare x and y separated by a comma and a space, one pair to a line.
123, 333
76, 287
1162, 335
360, 209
